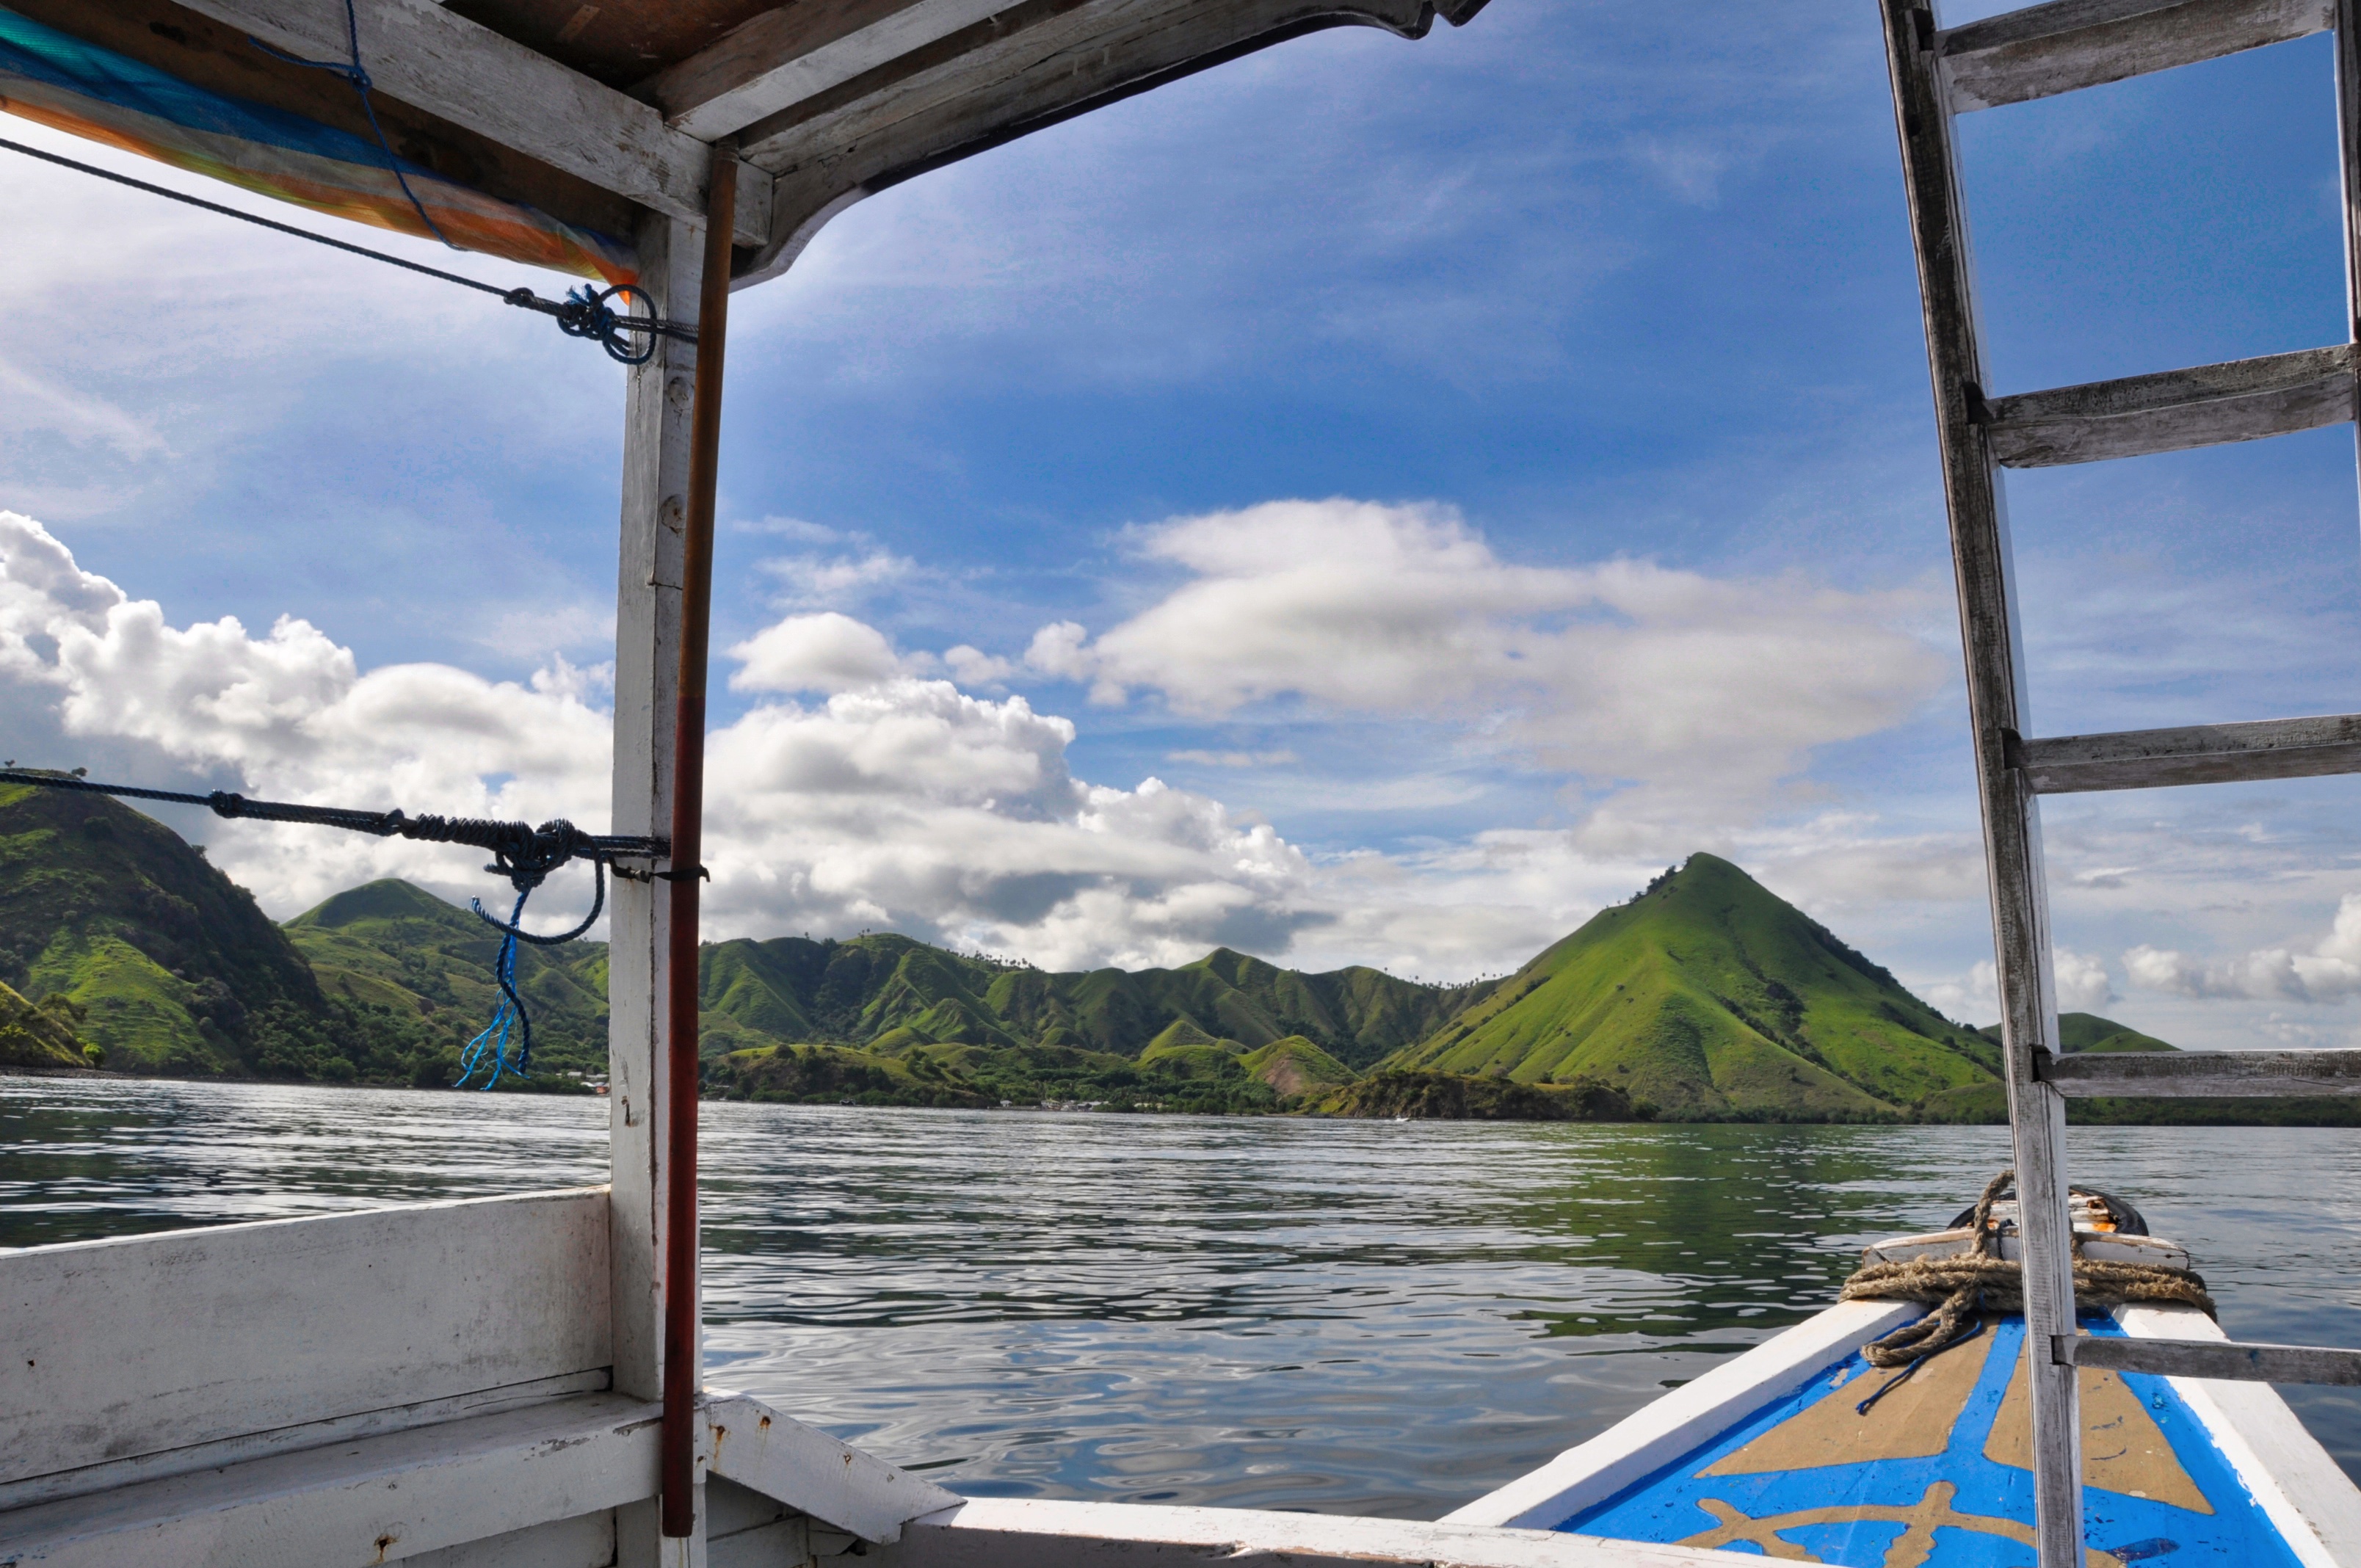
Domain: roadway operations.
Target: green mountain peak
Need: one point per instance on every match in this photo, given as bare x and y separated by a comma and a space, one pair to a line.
1709, 993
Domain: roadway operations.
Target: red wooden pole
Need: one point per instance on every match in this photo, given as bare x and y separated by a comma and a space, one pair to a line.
681, 1373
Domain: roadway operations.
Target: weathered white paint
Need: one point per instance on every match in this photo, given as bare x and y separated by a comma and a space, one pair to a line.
379, 1500
2174, 411
812, 1472
1661, 1433
1025, 1532
746, 1529
1028, 66
786, 55
587, 1540
142, 1344
656, 402
2097, 1246
435, 58
2056, 48
2306, 1494
287, 1440
2194, 753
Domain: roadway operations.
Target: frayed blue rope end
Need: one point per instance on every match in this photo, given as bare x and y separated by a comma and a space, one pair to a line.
489, 1049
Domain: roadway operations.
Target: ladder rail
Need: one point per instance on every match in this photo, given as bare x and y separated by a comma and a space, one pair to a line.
2010, 809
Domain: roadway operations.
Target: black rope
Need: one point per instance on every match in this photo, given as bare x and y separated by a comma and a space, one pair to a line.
581, 313
520, 853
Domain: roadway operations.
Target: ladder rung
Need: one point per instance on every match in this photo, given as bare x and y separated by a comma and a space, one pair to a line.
2210, 1358
2193, 1075
2200, 754
2173, 411
2047, 50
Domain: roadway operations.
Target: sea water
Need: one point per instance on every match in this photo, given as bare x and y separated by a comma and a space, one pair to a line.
1366, 1317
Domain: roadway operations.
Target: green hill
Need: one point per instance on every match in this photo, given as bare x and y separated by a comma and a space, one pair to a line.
2089, 1032
395, 947
1706, 996
1709, 994
170, 966
43, 1035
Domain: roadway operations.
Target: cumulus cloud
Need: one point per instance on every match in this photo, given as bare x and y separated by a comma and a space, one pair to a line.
2330, 971
895, 801
858, 790
1696, 692
824, 652
2082, 981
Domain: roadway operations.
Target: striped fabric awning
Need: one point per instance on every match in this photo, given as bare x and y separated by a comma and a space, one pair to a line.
78, 87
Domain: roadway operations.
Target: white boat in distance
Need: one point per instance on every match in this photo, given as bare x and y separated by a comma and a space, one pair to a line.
1802, 1450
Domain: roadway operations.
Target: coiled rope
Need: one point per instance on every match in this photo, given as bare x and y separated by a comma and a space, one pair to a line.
1964, 1288
524, 854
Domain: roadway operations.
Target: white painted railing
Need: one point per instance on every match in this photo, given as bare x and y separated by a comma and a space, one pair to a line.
119, 1352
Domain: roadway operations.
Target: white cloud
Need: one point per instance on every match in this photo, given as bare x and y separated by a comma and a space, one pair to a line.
897, 801
974, 667
2330, 971
815, 579
2082, 983
823, 653
1234, 759
889, 799
1702, 693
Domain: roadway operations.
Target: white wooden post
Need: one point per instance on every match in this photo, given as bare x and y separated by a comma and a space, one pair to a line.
647, 652
1996, 705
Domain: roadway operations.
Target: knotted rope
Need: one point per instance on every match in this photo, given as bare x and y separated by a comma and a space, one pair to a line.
1962, 1289
520, 853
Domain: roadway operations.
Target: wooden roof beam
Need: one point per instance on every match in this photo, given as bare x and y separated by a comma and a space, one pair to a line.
439, 61
1026, 67
795, 52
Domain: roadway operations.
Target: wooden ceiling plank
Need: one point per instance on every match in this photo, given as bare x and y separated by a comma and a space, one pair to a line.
1075, 57
434, 60
788, 55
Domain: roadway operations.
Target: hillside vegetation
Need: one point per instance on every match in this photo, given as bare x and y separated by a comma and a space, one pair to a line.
1709, 994
166, 965
1704, 997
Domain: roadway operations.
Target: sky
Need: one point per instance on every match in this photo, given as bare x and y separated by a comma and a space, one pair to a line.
1372, 502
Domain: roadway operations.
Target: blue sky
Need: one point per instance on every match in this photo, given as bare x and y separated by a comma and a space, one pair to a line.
1587, 338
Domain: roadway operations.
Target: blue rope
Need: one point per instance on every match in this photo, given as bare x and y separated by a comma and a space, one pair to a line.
358, 77
510, 1014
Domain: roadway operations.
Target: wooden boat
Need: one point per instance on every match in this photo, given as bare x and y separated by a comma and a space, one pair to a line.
1800, 1449
517, 1382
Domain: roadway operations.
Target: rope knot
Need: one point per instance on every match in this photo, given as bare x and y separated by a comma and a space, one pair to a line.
1962, 1289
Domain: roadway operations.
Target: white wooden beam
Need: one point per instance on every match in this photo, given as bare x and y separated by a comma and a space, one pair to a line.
2204, 1075
2056, 48
784, 55
1027, 1532
377, 1501
2230, 1360
2192, 755
143, 1345
1982, 565
435, 60
2174, 411
656, 402
1029, 65
808, 1470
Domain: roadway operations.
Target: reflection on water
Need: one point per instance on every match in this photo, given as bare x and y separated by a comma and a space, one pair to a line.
1365, 1317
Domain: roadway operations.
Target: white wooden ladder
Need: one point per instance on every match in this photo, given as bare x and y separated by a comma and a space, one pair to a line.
1939, 73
